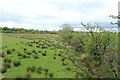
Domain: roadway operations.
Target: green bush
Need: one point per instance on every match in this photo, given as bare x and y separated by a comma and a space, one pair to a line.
36, 56
16, 63
6, 60
29, 53
51, 75
46, 70
39, 70
62, 59
31, 69
7, 65
9, 52
44, 54
33, 51
28, 75
20, 54
24, 56
3, 70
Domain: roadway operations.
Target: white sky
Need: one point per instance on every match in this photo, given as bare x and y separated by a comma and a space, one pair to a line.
33, 13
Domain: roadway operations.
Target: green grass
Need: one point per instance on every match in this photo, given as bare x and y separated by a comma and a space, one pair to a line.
45, 62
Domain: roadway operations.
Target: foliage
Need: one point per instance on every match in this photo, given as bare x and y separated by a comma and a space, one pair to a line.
66, 33
3, 70
16, 63
116, 17
96, 49
26, 31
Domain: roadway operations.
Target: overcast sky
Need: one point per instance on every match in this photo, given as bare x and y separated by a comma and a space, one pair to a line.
33, 13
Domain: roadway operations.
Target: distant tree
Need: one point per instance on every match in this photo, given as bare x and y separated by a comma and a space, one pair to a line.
5, 28
66, 33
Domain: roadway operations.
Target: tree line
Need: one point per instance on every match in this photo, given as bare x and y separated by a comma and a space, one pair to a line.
25, 31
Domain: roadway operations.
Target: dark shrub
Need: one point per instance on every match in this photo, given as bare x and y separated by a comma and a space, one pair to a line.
6, 46
30, 45
54, 57
62, 60
36, 56
29, 53
19, 58
31, 69
6, 60
63, 63
36, 53
9, 52
28, 69
7, 65
43, 54
36, 42
13, 49
40, 51
38, 46
39, 70
43, 47
24, 56
28, 57
46, 70
68, 68
3, 70
59, 54
2, 54
45, 51
28, 75
33, 51
20, 54
25, 49
16, 63
51, 75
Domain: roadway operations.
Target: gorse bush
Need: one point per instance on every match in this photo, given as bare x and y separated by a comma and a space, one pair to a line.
31, 69
16, 63
28, 75
95, 50
24, 56
39, 70
9, 52
29, 53
36, 56
20, 54
7, 60
51, 75
7, 65
3, 70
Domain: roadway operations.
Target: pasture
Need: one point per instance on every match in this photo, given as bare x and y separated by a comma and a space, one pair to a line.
25, 57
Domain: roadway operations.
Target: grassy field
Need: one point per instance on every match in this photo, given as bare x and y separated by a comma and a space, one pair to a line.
36, 58
71, 55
